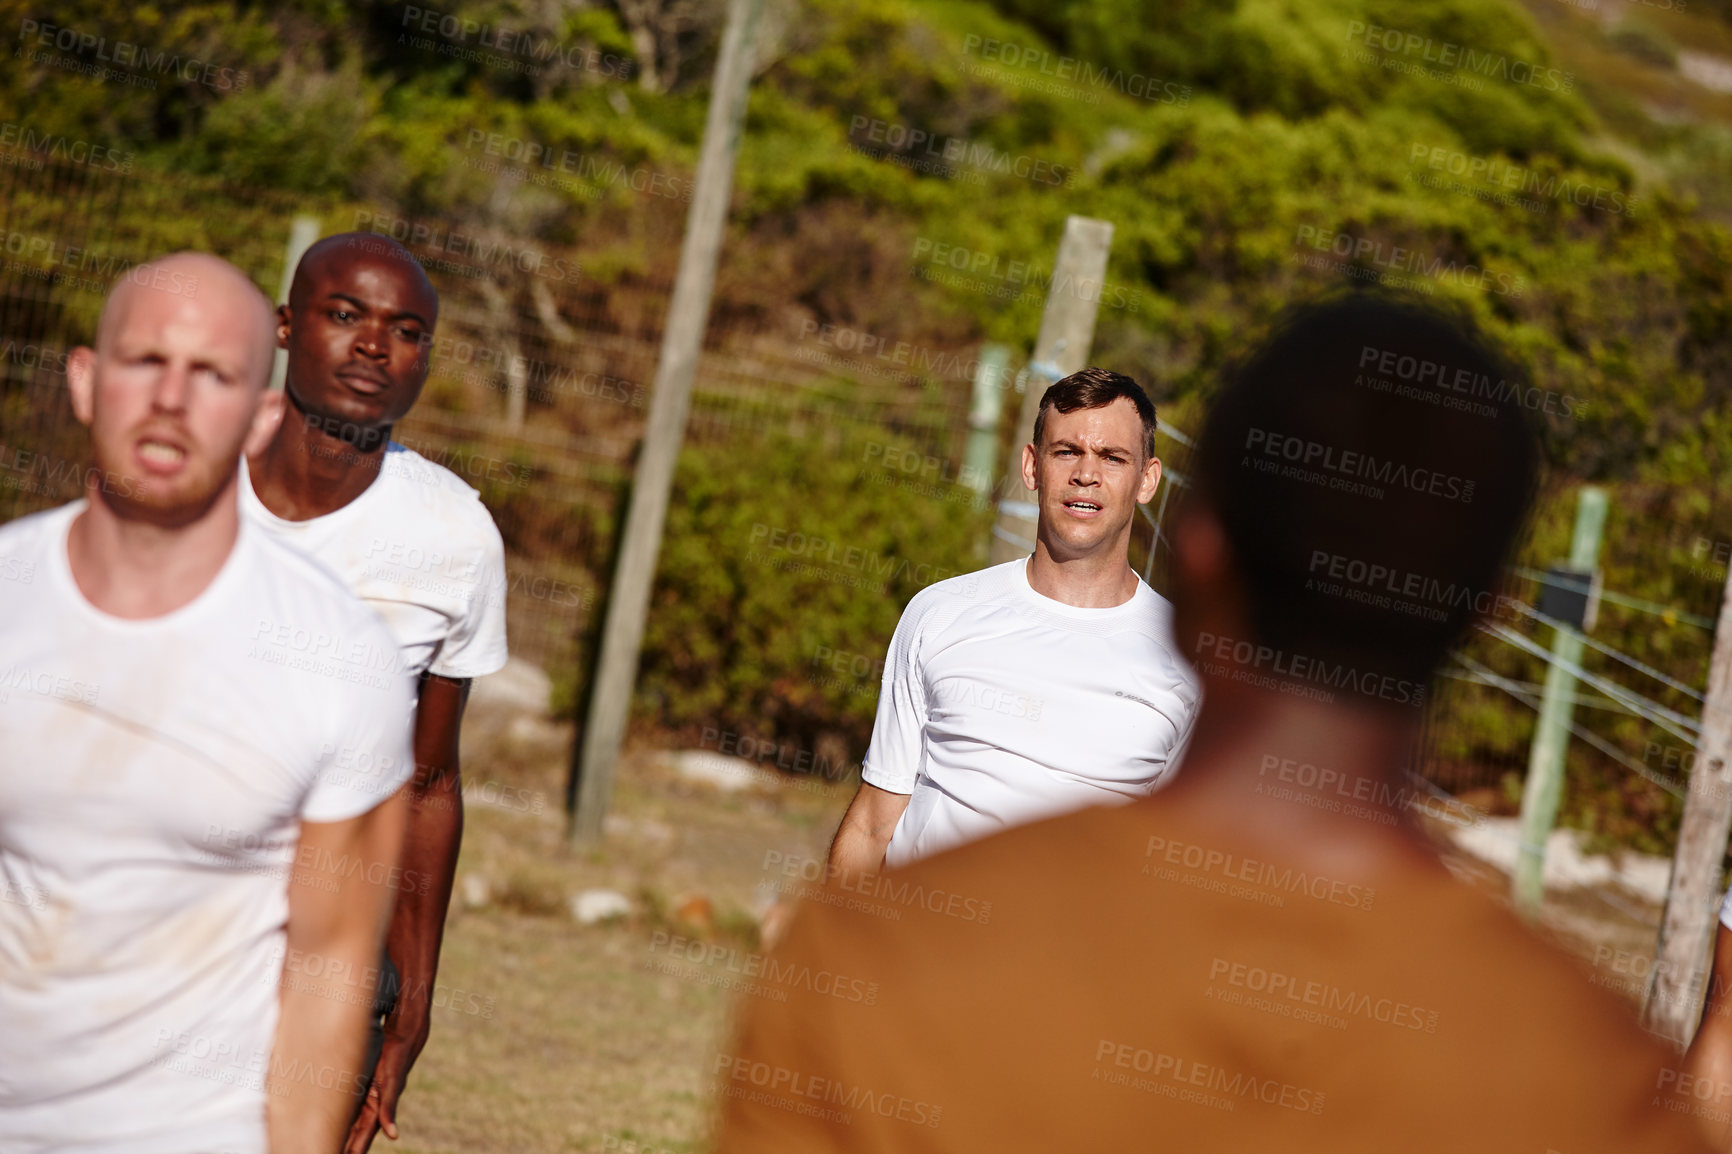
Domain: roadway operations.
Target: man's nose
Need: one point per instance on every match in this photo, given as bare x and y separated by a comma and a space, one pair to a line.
172, 387
371, 343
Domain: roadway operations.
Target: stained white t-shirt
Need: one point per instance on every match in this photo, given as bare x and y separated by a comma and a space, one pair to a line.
153, 775
420, 548
1001, 706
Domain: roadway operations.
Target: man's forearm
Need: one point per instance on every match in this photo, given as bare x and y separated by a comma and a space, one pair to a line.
866, 830
857, 851
336, 913
315, 1063
430, 850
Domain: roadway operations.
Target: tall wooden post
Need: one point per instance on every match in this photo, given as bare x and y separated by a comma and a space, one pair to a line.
1067, 332
670, 399
1692, 901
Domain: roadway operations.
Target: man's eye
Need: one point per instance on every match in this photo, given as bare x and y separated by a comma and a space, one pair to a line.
342, 314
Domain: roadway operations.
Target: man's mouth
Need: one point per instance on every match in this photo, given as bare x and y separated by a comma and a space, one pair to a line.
1081, 506
363, 382
160, 456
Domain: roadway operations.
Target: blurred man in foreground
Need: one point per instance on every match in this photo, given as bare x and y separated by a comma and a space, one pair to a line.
1042, 685
1265, 956
186, 792
414, 541
1706, 1079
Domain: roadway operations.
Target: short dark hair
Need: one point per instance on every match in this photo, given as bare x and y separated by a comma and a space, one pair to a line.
1369, 437
1092, 388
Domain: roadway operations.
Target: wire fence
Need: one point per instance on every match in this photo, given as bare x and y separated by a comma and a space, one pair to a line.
540, 370
540, 379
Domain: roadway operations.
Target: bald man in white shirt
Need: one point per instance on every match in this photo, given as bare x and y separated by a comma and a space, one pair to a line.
200, 765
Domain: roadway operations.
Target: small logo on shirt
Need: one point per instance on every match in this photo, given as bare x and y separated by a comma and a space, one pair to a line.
1138, 700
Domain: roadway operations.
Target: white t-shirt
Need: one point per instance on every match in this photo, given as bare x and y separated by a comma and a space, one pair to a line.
153, 775
1001, 706
420, 548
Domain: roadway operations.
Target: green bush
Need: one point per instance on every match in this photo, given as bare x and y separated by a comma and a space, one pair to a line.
778, 553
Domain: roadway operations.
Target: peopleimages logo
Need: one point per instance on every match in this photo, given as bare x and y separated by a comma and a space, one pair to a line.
106, 158
1036, 59
1429, 379
1397, 259
135, 58
1408, 588
1494, 65
1503, 174
1353, 467
1245, 661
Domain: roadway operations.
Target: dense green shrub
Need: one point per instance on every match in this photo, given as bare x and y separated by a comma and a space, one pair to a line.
783, 556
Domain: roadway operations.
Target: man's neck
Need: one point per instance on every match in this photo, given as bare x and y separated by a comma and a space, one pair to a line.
1099, 580
136, 570
308, 470
1310, 782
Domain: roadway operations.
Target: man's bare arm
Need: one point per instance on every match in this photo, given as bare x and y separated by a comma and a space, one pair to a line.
339, 899
865, 831
430, 847
1710, 1055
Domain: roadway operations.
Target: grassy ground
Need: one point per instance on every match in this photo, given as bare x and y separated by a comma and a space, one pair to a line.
559, 1037
562, 1038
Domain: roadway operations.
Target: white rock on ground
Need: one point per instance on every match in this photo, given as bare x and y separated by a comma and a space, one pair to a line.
592, 906
728, 774
1494, 840
474, 891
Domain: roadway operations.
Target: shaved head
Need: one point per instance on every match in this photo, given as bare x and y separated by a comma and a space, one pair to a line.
176, 387
204, 283
337, 254
358, 327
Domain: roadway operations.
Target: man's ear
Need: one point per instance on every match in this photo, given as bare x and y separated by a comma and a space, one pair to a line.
1029, 476
81, 382
267, 418
1151, 482
285, 317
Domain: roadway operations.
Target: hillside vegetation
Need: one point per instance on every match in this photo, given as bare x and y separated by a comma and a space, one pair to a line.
908, 168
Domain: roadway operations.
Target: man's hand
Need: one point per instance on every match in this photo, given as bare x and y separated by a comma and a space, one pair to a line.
865, 831
403, 1043
430, 845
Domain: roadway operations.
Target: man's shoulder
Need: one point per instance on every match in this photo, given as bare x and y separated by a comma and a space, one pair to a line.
983, 587
292, 576
447, 505
33, 531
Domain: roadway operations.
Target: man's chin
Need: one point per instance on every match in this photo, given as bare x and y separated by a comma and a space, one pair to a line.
165, 504
345, 414
1084, 538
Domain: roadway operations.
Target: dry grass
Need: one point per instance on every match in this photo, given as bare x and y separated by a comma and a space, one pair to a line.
562, 1037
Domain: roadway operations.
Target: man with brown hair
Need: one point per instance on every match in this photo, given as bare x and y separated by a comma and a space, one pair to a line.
1041, 685
1266, 956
